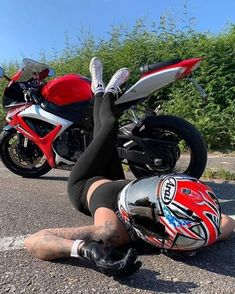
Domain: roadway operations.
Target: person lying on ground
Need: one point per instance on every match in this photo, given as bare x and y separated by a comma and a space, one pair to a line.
173, 212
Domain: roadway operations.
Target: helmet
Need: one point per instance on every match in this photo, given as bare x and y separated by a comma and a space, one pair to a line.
175, 212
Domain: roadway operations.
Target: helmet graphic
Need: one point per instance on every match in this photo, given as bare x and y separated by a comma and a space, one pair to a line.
174, 212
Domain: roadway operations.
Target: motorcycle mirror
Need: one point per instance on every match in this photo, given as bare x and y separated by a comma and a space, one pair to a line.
1, 72
51, 72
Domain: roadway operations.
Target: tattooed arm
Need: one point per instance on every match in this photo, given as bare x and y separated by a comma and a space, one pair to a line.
56, 243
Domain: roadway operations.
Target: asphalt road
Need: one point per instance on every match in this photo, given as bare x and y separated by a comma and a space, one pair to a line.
28, 205
219, 161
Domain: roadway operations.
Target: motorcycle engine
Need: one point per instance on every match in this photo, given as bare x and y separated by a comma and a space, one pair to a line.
71, 144
62, 144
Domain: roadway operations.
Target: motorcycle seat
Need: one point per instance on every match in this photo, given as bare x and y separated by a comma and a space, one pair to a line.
151, 67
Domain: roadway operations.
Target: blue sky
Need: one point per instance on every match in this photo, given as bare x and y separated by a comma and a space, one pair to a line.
29, 27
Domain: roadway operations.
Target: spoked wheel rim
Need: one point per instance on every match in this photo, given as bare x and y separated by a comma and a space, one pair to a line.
24, 157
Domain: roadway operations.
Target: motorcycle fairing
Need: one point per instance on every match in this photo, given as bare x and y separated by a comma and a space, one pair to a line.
13, 96
79, 113
67, 89
187, 65
44, 143
147, 85
156, 79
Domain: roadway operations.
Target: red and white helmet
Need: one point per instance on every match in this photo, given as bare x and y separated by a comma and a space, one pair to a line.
175, 212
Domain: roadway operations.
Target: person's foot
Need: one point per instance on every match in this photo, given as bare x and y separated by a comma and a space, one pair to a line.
96, 70
120, 77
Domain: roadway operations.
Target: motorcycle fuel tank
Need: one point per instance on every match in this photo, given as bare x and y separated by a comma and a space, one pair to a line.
67, 89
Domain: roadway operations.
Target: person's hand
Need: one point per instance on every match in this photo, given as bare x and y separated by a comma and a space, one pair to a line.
111, 262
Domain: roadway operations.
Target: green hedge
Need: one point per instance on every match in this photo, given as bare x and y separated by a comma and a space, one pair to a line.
147, 44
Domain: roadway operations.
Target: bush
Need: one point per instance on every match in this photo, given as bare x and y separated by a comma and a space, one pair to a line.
133, 47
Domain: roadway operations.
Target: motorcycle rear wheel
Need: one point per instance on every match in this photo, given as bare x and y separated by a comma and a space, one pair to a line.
188, 156
28, 161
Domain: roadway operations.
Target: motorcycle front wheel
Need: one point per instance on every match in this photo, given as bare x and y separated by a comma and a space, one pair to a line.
26, 160
177, 145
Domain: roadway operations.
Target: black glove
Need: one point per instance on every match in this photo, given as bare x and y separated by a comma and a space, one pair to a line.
111, 262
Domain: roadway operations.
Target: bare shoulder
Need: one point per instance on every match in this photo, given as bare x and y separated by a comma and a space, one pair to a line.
227, 227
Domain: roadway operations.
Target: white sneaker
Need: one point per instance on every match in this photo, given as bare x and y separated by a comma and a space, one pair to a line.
120, 77
96, 70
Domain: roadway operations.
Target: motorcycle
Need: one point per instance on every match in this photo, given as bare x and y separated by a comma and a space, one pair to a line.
49, 123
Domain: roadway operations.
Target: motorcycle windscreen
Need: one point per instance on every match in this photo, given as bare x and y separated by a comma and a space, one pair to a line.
31, 70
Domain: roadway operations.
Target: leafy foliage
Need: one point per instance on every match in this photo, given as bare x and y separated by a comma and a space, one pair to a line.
219, 174
141, 44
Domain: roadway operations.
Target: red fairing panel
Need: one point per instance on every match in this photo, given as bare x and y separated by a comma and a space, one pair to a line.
67, 89
44, 143
17, 75
189, 65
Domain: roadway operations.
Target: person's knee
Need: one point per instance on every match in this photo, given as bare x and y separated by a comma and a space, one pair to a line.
72, 192
69, 189
70, 185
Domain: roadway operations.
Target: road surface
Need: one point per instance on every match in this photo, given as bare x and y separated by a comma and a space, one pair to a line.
28, 205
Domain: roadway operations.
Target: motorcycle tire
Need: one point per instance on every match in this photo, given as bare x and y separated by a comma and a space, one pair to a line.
169, 127
11, 159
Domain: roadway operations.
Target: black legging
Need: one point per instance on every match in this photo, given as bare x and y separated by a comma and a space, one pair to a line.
100, 159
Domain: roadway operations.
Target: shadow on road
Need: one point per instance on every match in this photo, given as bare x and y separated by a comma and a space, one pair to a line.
56, 178
143, 279
146, 279
218, 258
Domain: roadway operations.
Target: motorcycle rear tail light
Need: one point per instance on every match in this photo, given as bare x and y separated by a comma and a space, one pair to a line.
180, 73
195, 66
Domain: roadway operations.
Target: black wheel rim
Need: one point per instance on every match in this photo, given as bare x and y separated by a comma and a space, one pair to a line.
20, 156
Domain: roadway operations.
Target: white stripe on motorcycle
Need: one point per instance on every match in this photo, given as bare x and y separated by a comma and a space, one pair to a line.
16, 242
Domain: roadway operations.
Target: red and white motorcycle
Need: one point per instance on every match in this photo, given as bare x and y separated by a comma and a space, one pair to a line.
49, 124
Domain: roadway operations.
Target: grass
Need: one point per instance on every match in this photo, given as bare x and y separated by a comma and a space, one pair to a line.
220, 174
209, 173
